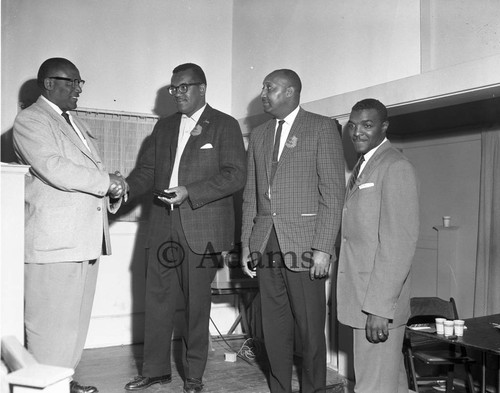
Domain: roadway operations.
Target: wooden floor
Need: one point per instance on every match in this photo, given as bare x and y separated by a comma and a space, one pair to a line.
109, 369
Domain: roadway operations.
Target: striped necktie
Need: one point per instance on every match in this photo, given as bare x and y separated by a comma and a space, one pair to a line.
355, 173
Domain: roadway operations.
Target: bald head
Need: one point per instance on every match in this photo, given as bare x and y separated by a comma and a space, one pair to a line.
281, 92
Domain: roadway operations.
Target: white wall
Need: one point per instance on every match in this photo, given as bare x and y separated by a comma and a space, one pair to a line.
334, 46
124, 49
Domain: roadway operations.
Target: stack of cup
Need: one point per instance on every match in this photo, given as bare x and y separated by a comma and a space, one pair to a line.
440, 325
459, 327
448, 328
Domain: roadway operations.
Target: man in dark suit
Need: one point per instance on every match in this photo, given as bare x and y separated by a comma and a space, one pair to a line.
379, 234
197, 156
291, 215
66, 222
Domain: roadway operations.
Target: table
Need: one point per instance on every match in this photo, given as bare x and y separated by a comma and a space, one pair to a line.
480, 335
243, 305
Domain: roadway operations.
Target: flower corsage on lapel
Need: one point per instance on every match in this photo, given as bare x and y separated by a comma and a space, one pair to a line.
198, 129
291, 142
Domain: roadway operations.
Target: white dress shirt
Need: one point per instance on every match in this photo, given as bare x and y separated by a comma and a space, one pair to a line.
187, 125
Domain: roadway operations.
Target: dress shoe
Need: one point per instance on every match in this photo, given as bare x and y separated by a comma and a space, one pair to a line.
193, 385
140, 382
75, 387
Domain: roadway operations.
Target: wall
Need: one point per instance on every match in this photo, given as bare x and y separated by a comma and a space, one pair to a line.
334, 46
125, 49
448, 168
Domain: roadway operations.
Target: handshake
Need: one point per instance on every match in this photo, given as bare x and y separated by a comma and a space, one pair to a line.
118, 187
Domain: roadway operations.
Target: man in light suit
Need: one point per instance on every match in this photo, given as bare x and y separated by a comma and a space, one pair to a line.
291, 215
198, 157
380, 224
66, 223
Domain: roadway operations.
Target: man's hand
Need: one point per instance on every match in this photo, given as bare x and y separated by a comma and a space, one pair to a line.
320, 265
377, 329
118, 187
245, 259
181, 194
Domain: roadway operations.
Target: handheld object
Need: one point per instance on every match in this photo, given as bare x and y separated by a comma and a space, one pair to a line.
164, 194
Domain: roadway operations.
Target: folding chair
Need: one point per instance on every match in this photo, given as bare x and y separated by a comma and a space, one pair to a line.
429, 351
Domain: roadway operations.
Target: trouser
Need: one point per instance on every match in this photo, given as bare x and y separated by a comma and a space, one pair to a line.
58, 306
291, 300
379, 368
177, 278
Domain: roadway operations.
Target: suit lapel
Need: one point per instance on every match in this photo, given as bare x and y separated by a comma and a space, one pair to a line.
295, 131
203, 126
371, 165
69, 132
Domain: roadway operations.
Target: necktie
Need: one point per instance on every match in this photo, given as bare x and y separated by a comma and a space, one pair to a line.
355, 173
276, 149
66, 117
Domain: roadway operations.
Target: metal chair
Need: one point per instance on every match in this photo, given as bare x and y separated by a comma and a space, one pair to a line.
430, 351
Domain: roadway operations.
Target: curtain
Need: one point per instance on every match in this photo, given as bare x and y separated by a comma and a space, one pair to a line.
120, 137
487, 292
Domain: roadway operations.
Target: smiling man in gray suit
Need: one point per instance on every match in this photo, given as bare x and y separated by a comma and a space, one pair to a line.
291, 216
66, 222
380, 224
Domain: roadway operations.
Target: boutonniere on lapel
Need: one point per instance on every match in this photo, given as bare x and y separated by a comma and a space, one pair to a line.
198, 129
291, 142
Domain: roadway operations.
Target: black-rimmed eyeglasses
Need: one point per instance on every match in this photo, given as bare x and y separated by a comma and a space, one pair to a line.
74, 82
182, 88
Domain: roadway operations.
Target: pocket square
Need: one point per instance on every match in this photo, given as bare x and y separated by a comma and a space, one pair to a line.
207, 146
308, 214
366, 185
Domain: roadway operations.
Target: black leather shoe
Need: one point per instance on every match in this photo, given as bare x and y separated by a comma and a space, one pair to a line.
140, 382
75, 387
193, 385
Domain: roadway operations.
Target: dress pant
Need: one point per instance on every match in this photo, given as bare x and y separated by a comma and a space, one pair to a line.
58, 305
177, 276
291, 300
380, 368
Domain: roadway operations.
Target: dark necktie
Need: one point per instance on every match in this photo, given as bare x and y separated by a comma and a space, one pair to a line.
66, 117
355, 173
276, 149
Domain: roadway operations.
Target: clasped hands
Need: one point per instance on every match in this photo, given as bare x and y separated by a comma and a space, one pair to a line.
118, 187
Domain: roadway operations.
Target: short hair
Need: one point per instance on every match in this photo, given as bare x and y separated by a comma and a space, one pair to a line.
197, 71
371, 103
50, 66
292, 77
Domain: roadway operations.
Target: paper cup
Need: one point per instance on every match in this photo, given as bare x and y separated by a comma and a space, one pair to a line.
446, 221
448, 328
230, 357
458, 325
440, 325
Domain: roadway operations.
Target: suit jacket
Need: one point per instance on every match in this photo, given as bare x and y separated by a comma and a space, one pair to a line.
305, 200
211, 176
65, 204
380, 224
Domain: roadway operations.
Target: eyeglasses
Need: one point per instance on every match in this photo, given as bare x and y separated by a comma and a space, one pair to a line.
182, 88
74, 82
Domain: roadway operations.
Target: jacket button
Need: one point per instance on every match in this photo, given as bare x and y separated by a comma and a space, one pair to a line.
99, 209
274, 214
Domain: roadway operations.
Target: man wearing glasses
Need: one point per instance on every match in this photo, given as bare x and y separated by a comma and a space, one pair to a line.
68, 194
194, 161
